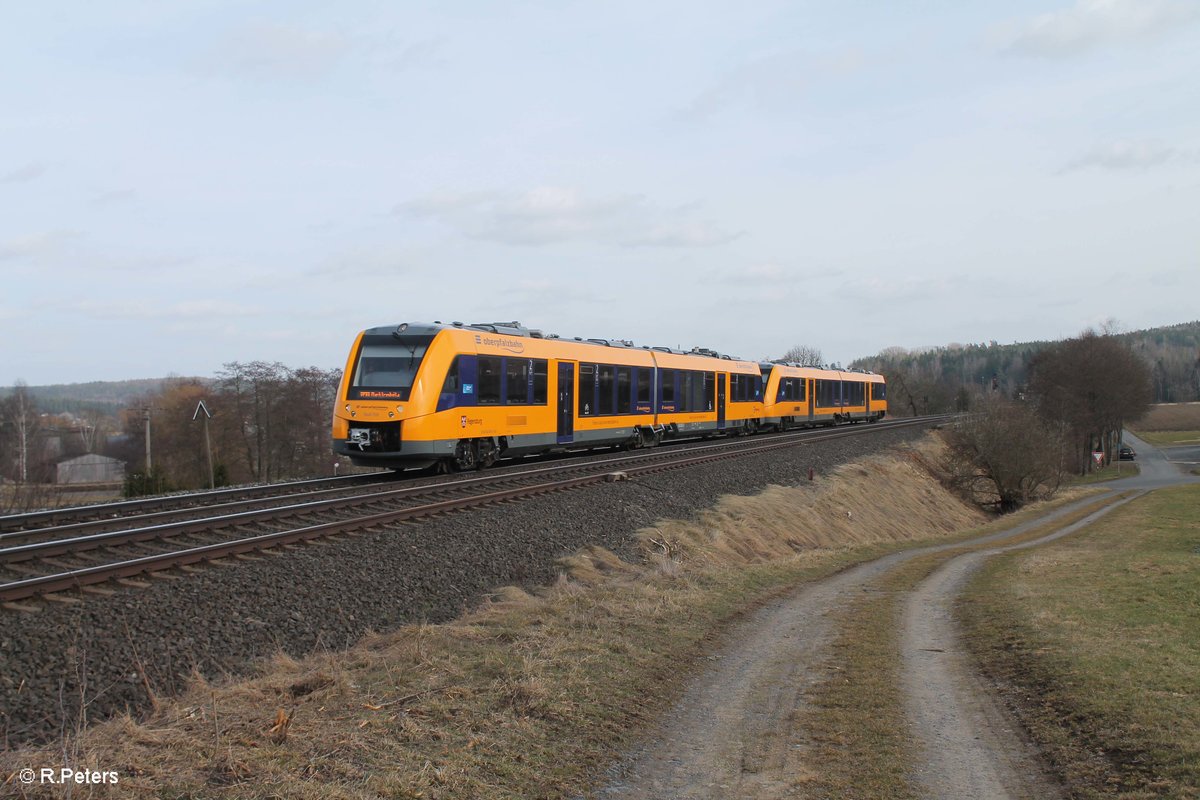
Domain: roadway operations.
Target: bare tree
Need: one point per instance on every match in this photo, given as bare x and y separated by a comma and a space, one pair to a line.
21, 423
1091, 386
1005, 453
804, 355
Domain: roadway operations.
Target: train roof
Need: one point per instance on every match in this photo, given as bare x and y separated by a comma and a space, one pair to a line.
517, 329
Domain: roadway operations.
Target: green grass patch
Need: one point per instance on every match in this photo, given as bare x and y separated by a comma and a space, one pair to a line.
1115, 470
1098, 637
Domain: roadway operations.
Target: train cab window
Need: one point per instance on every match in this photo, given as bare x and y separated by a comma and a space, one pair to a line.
587, 390
516, 388
624, 390
644, 391
539, 381
386, 366
488, 391
666, 386
878, 391
607, 381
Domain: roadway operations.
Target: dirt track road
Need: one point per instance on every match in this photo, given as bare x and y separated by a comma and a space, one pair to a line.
736, 732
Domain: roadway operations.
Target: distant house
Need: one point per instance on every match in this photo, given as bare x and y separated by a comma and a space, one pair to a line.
91, 468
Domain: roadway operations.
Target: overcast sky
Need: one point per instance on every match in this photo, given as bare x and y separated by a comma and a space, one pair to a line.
186, 184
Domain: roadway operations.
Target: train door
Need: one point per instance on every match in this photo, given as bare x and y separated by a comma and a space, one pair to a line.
721, 378
566, 402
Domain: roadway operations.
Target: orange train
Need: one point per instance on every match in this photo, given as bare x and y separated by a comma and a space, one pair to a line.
462, 396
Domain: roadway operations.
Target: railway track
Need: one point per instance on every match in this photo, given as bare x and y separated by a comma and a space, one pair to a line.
86, 552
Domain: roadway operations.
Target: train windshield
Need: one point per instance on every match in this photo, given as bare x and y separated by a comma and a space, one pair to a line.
387, 366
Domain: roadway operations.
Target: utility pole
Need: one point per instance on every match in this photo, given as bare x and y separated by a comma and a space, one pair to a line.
146, 417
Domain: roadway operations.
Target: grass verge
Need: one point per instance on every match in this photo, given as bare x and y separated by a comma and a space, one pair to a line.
1098, 641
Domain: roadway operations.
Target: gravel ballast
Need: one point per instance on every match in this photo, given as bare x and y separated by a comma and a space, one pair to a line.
64, 664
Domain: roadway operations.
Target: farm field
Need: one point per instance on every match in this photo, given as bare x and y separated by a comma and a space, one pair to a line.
1170, 424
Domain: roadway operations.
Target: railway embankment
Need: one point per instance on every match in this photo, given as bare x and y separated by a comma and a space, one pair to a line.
539, 690
69, 663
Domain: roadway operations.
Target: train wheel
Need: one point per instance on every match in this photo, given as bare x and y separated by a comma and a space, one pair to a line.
637, 441
488, 453
466, 456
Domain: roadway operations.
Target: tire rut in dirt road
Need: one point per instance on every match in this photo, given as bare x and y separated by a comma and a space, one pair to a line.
969, 744
738, 731
734, 733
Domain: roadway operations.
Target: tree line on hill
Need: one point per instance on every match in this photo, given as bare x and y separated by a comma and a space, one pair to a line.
936, 380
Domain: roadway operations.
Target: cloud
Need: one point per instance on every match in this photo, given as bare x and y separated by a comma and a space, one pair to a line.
37, 247
551, 215
1094, 23
183, 310
1126, 154
704, 233
772, 81
279, 52
114, 197
360, 261
24, 174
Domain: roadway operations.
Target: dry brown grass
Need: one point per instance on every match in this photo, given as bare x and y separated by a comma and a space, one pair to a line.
530, 695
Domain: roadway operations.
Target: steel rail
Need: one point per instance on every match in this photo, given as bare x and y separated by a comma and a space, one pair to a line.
78, 578
12, 524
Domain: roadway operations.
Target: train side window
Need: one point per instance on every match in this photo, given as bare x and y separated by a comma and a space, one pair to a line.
856, 393
607, 381
644, 387
489, 381
666, 385
685, 391
587, 389
878, 391
624, 390
707, 385
539, 381
516, 389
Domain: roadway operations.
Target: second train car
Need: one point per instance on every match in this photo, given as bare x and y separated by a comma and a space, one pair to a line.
422, 394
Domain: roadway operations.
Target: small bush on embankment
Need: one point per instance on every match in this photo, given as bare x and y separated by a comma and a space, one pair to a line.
1098, 640
528, 696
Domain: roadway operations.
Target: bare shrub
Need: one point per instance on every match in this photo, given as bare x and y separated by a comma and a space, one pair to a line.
1005, 455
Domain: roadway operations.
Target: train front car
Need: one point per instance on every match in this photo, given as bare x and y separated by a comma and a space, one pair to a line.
386, 389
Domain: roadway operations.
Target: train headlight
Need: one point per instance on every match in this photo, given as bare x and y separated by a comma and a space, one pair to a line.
391, 414
399, 409
347, 406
